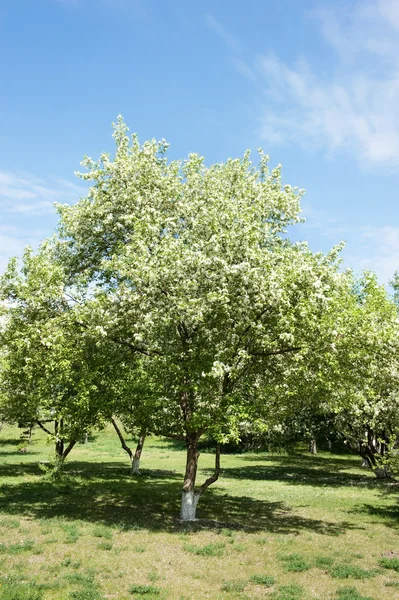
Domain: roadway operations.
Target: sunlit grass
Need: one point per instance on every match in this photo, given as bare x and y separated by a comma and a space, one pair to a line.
274, 526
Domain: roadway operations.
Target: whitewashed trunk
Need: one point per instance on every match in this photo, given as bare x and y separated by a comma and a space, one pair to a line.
136, 466
189, 501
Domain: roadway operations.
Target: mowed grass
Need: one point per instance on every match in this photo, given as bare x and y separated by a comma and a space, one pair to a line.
274, 526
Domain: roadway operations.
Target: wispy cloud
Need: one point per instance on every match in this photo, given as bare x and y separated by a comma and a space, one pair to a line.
352, 104
368, 248
229, 40
25, 193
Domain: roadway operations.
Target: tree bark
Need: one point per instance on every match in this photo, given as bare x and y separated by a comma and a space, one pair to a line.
190, 496
313, 446
137, 455
189, 499
134, 458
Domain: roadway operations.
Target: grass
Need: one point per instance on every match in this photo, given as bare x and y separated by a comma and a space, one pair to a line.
233, 586
390, 563
291, 591
266, 580
281, 527
295, 562
217, 549
144, 590
350, 593
346, 571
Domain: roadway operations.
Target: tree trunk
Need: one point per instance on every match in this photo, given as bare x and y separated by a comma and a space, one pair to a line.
137, 455
189, 499
123, 444
86, 439
190, 496
59, 447
313, 446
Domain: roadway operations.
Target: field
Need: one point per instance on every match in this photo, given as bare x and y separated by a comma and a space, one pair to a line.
282, 527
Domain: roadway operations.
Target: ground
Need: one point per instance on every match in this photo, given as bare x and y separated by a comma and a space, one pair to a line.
275, 526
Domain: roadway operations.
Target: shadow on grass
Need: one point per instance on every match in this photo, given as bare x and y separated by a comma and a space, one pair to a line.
334, 461
303, 471
383, 513
105, 494
10, 442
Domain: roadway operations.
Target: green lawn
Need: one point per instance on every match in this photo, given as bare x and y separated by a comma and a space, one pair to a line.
274, 526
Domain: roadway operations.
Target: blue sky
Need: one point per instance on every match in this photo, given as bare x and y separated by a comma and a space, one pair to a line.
315, 83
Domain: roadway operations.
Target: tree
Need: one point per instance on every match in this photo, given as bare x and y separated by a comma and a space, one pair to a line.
368, 416
50, 372
136, 455
190, 269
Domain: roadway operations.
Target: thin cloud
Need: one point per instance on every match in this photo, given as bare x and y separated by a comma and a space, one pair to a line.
25, 193
368, 248
352, 105
228, 39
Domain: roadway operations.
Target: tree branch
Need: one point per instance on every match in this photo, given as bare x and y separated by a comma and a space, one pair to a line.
276, 352
126, 343
44, 428
122, 439
68, 449
213, 477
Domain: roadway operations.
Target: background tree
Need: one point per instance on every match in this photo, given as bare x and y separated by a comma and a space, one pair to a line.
50, 370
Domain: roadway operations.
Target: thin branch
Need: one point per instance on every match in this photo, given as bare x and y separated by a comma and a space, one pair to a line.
126, 343
44, 428
122, 439
216, 474
72, 298
276, 352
